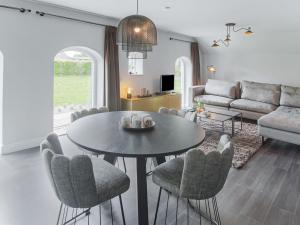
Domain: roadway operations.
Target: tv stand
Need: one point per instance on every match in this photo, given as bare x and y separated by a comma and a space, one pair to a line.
152, 104
165, 93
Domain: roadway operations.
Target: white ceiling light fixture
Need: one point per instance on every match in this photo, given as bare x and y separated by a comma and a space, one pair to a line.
137, 33
167, 8
231, 27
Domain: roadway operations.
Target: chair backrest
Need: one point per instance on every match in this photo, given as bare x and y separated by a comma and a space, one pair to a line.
163, 110
72, 179
52, 142
191, 116
173, 112
79, 114
204, 175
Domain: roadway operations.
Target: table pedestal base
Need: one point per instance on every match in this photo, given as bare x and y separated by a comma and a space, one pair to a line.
142, 196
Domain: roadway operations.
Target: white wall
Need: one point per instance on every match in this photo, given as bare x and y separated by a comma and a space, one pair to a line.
1, 94
268, 55
279, 68
29, 44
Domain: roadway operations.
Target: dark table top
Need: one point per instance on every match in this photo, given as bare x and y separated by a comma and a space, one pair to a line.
102, 133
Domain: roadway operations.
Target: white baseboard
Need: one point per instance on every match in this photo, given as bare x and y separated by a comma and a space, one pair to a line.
19, 146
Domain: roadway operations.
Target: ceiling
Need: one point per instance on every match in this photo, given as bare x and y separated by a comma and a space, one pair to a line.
204, 19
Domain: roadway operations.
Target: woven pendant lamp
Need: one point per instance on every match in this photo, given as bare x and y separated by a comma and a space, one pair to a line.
137, 33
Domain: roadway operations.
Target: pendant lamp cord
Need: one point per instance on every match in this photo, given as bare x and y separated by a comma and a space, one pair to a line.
137, 7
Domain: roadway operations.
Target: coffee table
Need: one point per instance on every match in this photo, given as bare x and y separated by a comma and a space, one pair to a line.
222, 115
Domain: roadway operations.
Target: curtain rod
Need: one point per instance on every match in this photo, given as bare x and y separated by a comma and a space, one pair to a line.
69, 18
175, 39
22, 10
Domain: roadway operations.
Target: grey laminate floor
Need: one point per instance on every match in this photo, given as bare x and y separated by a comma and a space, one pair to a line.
265, 192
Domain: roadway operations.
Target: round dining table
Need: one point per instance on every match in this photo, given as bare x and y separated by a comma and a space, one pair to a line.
101, 133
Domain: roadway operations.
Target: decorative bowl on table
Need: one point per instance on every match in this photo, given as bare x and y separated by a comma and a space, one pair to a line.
137, 122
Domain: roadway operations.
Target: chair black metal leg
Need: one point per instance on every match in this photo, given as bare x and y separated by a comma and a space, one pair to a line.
100, 214
122, 210
111, 213
187, 212
66, 216
157, 205
118, 165
218, 218
60, 208
75, 217
166, 217
199, 209
124, 164
72, 215
177, 210
209, 212
63, 215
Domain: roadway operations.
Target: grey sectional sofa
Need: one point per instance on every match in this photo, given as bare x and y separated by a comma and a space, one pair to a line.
275, 107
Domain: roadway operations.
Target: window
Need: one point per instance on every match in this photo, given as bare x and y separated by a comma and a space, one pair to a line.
179, 76
77, 84
135, 63
183, 78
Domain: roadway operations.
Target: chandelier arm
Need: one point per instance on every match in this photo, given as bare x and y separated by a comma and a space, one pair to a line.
242, 28
223, 42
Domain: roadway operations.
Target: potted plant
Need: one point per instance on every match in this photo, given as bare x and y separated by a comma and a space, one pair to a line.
200, 106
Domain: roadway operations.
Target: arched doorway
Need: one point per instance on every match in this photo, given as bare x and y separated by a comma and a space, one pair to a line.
183, 78
78, 84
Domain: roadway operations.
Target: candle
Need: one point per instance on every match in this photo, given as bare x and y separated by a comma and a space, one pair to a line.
129, 95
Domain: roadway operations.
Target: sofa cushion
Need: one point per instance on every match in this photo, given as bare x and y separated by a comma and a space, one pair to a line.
214, 100
267, 93
221, 88
254, 106
290, 96
273, 87
284, 118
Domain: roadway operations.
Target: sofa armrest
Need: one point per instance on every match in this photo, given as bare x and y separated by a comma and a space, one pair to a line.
194, 91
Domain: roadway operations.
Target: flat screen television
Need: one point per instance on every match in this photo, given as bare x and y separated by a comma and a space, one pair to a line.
167, 82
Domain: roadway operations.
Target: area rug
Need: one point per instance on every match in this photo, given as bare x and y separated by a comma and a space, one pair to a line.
246, 142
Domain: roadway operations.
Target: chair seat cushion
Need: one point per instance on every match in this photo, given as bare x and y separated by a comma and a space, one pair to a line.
253, 106
168, 175
284, 118
110, 181
214, 100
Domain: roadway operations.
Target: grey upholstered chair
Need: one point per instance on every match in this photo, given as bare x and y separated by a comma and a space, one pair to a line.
163, 110
52, 142
197, 176
79, 114
173, 112
83, 182
191, 116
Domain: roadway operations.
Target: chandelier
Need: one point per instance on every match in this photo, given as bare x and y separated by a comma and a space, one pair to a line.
231, 27
136, 33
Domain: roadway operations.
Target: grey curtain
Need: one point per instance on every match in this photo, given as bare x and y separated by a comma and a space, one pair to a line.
195, 57
111, 70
